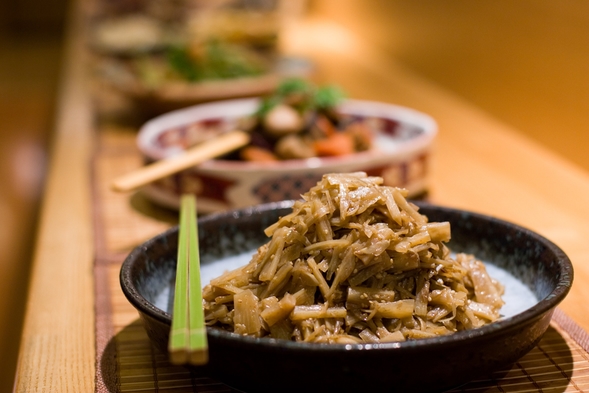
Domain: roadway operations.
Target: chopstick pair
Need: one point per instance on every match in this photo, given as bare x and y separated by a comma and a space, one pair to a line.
188, 336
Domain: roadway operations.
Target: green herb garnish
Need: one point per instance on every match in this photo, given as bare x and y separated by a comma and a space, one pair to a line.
303, 95
180, 61
328, 97
214, 61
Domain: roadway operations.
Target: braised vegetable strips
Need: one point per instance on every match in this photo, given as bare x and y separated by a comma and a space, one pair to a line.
354, 262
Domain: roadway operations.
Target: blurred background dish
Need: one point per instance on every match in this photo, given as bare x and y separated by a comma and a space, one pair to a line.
164, 57
400, 153
155, 86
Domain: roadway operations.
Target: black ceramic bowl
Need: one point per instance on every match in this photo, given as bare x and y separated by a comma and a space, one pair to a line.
436, 364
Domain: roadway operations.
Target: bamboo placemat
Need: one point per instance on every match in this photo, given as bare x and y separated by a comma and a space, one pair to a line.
126, 361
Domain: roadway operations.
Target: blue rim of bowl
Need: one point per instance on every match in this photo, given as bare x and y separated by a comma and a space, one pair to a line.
501, 327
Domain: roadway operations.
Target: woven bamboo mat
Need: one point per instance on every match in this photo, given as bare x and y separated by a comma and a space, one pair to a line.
127, 362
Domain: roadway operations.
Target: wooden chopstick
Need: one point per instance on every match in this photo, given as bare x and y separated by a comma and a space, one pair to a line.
206, 150
188, 336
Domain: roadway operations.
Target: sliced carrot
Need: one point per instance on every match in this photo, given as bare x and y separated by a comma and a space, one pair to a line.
338, 144
254, 153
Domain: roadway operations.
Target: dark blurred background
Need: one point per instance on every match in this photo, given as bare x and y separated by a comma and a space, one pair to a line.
31, 33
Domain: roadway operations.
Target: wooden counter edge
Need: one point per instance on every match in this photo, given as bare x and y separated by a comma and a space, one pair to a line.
57, 349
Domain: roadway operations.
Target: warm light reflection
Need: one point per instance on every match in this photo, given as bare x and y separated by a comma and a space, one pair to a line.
316, 35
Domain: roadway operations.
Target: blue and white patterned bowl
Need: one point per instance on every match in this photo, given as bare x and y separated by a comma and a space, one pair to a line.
401, 155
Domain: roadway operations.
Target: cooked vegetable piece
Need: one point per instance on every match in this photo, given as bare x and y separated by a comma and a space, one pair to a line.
281, 120
247, 314
337, 144
254, 153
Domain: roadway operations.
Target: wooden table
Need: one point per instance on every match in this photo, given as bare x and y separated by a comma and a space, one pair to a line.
479, 164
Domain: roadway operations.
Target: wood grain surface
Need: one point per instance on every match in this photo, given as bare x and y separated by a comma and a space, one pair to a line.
57, 348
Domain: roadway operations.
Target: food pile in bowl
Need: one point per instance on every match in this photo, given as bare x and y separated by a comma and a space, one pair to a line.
298, 133
182, 64
185, 73
168, 55
354, 263
298, 121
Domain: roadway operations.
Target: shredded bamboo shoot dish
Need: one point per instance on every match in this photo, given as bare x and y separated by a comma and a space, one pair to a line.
355, 262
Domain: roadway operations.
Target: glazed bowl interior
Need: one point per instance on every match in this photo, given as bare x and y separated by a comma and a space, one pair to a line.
536, 273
